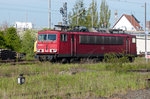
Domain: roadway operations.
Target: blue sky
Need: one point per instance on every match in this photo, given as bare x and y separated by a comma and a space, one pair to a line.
36, 11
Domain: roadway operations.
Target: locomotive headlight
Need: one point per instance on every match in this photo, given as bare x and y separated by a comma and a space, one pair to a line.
42, 50
38, 50
53, 50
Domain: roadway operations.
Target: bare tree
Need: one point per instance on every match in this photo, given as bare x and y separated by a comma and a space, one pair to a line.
4, 26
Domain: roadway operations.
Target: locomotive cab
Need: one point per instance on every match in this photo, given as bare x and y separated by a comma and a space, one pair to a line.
47, 45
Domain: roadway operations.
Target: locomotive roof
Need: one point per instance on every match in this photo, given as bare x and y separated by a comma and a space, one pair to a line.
85, 30
87, 33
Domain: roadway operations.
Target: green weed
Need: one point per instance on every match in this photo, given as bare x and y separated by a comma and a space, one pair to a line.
61, 81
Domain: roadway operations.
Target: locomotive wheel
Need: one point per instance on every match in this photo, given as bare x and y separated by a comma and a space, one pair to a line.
131, 59
75, 60
64, 61
40, 59
52, 60
72, 60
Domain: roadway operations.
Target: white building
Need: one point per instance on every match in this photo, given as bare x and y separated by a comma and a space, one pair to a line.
131, 25
23, 25
141, 45
127, 23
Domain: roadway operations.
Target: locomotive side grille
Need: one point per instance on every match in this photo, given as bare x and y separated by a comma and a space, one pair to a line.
105, 40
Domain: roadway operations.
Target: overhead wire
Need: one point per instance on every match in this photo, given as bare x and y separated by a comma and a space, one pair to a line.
18, 9
39, 9
130, 2
136, 4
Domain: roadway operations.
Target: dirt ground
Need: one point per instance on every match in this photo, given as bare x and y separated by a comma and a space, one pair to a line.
138, 94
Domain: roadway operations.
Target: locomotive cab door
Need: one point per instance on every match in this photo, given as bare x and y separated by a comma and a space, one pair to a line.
128, 42
73, 45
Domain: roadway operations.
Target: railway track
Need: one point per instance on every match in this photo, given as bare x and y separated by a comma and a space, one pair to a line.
22, 62
139, 70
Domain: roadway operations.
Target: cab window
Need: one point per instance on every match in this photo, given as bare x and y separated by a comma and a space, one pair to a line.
42, 37
47, 37
51, 37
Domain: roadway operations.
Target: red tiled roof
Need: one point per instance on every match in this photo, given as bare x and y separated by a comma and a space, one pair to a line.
132, 20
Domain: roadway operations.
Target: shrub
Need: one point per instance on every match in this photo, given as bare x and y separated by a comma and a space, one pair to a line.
28, 44
116, 61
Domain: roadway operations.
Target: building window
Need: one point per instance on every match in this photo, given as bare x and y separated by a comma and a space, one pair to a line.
63, 37
133, 40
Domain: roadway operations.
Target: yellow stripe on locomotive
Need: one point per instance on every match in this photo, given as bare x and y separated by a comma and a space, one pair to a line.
35, 46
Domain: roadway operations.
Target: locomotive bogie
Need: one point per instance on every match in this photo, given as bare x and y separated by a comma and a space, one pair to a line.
50, 58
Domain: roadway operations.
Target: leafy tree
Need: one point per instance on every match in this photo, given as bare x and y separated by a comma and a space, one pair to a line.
92, 15
28, 44
105, 14
2, 40
13, 41
78, 15
46, 29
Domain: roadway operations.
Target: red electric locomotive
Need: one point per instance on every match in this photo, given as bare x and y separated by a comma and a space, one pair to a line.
67, 45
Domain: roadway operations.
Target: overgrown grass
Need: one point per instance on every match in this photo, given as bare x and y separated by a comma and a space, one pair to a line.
61, 81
